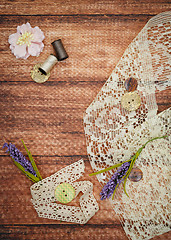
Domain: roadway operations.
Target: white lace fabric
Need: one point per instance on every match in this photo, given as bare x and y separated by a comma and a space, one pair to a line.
113, 134
43, 196
145, 213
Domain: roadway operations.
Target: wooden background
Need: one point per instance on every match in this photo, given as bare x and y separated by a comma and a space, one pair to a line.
49, 116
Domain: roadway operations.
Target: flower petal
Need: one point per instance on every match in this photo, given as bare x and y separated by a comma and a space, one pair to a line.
41, 46
24, 28
12, 48
20, 51
26, 56
5, 145
34, 49
38, 34
13, 38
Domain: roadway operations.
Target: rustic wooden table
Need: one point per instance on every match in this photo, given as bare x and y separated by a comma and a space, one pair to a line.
49, 116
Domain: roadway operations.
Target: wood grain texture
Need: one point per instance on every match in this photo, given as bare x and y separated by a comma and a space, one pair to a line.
70, 232
20, 184
49, 116
94, 45
69, 7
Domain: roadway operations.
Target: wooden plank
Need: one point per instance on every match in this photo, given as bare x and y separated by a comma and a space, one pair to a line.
73, 232
58, 232
94, 44
46, 7
50, 117
15, 192
19, 219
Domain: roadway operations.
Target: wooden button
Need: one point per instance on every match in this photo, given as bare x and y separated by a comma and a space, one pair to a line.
135, 175
64, 193
37, 76
131, 84
131, 101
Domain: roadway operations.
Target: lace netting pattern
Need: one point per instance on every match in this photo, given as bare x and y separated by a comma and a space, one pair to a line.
43, 196
113, 134
145, 213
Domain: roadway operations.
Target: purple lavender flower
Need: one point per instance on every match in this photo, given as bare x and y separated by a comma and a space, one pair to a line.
19, 157
109, 188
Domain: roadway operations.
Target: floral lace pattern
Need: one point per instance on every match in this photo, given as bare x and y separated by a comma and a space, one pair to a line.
113, 134
145, 213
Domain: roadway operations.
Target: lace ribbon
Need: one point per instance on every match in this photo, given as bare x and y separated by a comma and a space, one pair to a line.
43, 196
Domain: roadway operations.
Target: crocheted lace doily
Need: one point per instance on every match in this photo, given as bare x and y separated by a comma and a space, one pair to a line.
113, 134
43, 196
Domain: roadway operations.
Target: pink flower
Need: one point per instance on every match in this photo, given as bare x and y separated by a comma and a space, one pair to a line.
26, 41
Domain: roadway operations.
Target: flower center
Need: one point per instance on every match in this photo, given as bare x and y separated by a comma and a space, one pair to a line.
25, 39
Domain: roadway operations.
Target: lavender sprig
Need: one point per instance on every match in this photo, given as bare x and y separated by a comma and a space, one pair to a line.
32, 161
115, 181
121, 174
22, 163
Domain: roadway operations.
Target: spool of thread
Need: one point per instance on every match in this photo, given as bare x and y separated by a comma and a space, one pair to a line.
60, 52
48, 64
